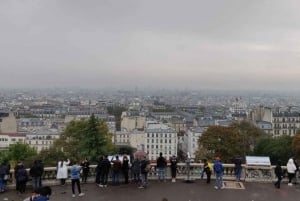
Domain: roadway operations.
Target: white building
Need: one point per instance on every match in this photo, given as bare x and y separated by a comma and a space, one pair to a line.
41, 139
191, 140
6, 139
160, 138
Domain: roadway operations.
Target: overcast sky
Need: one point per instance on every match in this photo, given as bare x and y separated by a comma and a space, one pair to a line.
218, 44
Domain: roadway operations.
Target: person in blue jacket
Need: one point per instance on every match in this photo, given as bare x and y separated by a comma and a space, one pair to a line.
75, 177
218, 170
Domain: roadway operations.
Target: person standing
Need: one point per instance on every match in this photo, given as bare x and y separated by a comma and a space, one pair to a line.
208, 170
291, 170
62, 171
125, 168
136, 170
4, 175
296, 172
21, 177
238, 169
161, 164
173, 166
105, 167
144, 172
75, 178
278, 173
116, 168
218, 170
85, 169
36, 172
98, 171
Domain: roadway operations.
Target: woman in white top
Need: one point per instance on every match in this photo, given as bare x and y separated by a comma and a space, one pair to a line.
291, 169
62, 171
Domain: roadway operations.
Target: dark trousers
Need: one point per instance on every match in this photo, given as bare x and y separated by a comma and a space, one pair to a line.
291, 176
173, 172
62, 181
277, 183
98, 177
125, 173
208, 174
104, 176
85, 174
77, 181
22, 186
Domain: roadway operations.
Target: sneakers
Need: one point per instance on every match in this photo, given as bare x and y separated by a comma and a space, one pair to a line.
73, 195
173, 180
216, 187
100, 185
290, 184
141, 187
81, 194
222, 187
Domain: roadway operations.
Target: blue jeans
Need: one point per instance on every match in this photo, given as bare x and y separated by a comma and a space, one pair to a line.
161, 173
238, 173
2, 184
219, 180
115, 177
36, 182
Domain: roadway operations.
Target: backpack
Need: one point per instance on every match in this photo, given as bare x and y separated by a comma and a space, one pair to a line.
218, 167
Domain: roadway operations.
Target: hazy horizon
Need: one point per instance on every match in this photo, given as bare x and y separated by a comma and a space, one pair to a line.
219, 45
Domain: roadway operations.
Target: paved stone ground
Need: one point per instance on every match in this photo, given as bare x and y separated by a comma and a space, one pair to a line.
179, 191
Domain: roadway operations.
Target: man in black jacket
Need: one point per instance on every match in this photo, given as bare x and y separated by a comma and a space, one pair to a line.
36, 172
105, 166
161, 165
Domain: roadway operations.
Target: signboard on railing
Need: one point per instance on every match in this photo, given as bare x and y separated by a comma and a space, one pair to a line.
258, 160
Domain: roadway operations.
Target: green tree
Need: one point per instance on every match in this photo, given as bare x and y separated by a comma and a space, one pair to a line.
296, 145
21, 152
249, 134
219, 141
276, 148
96, 138
51, 156
85, 139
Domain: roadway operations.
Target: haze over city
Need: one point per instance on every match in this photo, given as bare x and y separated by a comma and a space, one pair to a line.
232, 44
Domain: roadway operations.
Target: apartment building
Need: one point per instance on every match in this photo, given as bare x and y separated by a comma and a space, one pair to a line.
41, 139
160, 138
7, 139
191, 140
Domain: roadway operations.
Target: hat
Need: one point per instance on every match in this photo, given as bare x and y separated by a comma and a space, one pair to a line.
218, 158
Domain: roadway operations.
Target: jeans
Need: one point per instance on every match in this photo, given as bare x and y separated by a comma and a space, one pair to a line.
238, 172
115, 177
144, 177
219, 180
2, 184
35, 182
161, 173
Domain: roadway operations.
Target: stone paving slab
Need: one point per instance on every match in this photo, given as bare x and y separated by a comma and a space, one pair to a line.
179, 191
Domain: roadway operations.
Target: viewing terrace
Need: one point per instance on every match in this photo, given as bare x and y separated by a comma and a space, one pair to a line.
256, 185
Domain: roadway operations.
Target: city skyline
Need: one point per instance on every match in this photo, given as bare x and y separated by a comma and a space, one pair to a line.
236, 45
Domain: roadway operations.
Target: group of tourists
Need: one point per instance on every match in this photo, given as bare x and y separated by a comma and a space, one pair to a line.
139, 169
